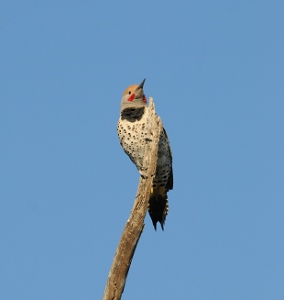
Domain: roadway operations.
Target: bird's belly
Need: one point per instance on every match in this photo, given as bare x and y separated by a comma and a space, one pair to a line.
133, 138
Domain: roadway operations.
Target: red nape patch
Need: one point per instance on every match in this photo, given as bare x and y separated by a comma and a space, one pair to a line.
131, 98
144, 98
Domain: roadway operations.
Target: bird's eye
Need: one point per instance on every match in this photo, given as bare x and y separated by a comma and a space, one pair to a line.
129, 92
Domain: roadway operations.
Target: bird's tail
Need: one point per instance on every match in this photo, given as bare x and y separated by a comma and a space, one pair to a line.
158, 205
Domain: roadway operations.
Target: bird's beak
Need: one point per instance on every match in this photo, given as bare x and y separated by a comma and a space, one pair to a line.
140, 86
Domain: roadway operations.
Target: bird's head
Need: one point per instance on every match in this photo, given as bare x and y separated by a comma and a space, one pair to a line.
133, 97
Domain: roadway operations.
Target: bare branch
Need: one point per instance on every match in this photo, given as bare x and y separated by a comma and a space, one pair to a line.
135, 224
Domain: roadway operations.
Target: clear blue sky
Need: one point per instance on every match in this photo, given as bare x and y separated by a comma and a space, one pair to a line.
216, 72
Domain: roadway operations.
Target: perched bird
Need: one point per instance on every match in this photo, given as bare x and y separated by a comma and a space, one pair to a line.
133, 134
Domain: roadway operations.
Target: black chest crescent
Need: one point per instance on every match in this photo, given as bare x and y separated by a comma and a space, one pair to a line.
132, 114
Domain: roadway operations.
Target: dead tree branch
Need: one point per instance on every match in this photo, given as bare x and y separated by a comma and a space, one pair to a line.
135, 224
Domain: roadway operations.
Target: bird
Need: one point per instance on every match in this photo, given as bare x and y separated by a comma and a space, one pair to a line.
134, 134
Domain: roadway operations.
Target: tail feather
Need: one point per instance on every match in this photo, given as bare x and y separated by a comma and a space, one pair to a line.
158, 206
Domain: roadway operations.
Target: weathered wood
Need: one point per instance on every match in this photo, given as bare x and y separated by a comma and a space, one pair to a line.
135, 224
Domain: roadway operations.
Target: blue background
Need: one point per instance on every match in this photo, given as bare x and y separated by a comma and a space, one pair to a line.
215, 70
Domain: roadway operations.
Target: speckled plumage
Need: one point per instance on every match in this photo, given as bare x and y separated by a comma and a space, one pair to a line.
133, 133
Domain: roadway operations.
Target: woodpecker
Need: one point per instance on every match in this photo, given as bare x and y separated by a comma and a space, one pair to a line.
133, 133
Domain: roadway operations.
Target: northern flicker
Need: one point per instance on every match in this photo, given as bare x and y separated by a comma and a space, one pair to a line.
133, 133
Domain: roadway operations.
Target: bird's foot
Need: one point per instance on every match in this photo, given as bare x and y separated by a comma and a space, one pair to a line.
143, 173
